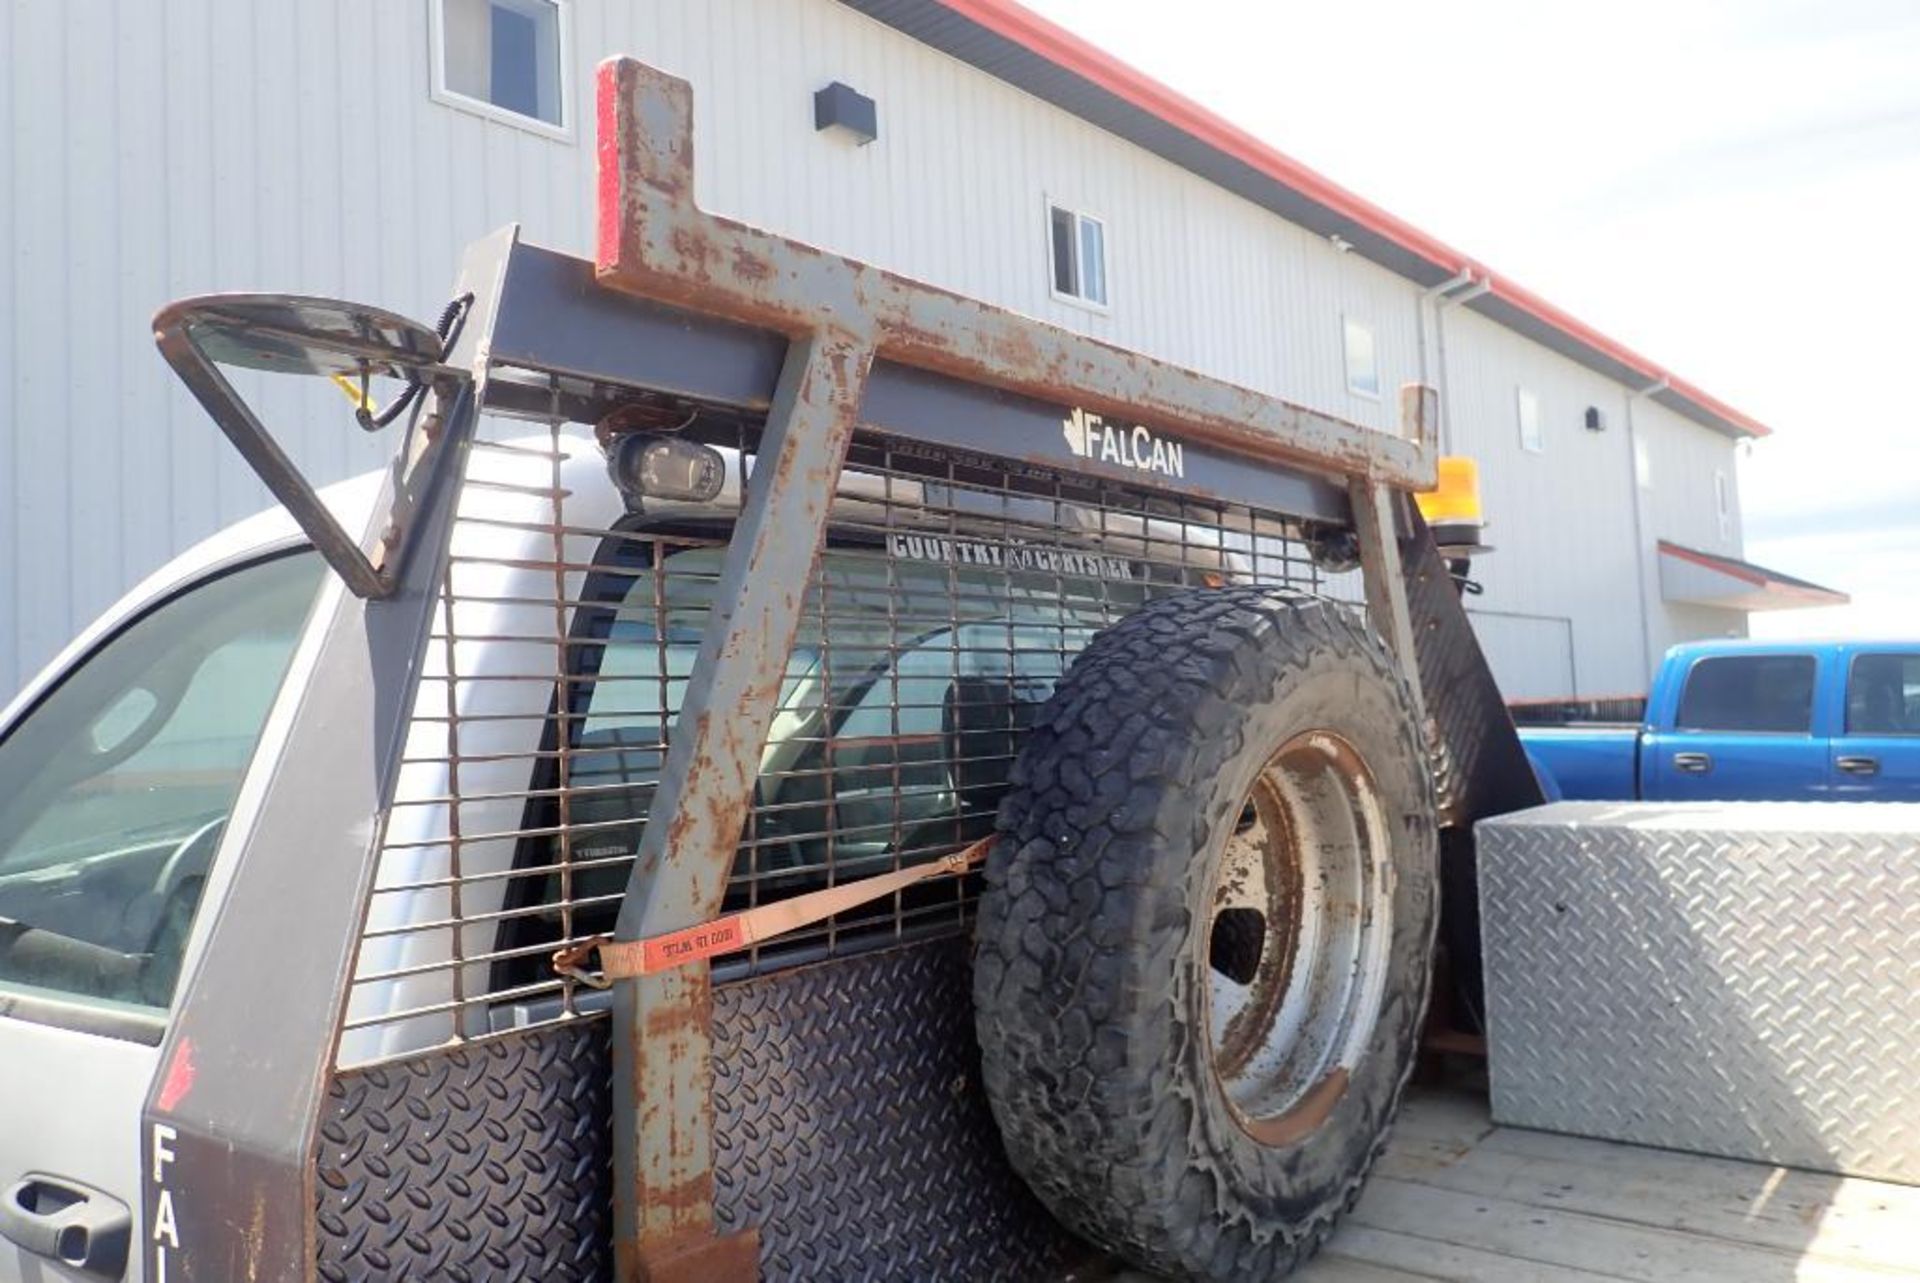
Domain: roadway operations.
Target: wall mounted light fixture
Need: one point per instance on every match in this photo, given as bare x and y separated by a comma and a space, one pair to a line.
842, 107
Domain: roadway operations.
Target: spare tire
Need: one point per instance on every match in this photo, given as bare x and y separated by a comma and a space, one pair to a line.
1205, 939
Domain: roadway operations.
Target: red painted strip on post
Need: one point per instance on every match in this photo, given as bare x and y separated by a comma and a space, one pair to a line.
610, 218
179, 1078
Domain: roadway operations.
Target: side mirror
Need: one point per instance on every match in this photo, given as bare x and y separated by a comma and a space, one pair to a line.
350, 343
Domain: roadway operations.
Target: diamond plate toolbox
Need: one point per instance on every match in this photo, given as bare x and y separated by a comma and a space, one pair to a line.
1731, 979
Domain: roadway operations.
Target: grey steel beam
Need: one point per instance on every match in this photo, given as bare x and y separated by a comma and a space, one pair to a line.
225, 1139
663, 1109
603, 344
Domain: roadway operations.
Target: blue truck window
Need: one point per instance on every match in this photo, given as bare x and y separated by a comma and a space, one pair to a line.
1883, 695
1766, 693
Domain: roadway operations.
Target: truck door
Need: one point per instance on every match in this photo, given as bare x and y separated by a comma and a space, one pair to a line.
114, 789
1743, 731
1876, 754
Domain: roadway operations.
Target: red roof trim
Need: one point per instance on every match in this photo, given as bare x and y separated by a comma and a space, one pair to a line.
1745, 574
1748, 573
1060, 46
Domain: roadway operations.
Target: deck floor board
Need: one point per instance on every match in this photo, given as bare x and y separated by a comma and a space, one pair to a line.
1457, 1197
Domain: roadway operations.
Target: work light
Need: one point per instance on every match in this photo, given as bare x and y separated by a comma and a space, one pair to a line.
644, 465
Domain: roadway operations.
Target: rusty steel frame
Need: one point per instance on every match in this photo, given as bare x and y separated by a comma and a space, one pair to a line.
1376, 523
655, 241
840, 316
663, 1119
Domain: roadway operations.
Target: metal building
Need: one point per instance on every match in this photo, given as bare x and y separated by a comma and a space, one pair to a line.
352, 147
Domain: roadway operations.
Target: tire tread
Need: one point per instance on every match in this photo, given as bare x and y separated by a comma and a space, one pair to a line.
1088, 1096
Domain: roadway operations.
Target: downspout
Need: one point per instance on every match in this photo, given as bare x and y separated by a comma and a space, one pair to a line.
1640, 550
1428, 296
1437, 297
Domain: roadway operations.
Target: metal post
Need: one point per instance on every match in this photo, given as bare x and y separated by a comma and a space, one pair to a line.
233, 1112
1375, 524
662, 1043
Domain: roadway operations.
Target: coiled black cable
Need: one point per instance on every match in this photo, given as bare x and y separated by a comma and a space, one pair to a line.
453, 318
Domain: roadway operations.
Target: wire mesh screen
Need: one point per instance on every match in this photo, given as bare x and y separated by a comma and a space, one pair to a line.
952, 595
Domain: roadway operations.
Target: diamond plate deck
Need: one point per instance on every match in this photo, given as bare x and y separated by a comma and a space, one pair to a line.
850, 1127
1733, 980
487, 1162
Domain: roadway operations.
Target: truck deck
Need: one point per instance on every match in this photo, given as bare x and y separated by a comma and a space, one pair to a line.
1458, 1197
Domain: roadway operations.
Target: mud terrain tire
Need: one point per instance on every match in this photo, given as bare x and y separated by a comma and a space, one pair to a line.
1115, 933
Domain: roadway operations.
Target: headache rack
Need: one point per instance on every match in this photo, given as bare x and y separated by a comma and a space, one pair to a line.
677, 711
949, 597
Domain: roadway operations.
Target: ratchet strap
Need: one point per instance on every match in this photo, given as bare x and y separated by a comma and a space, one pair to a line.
624, 959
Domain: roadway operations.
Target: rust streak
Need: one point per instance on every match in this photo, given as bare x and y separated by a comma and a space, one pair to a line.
750, 266
1305, 1117
699, 1258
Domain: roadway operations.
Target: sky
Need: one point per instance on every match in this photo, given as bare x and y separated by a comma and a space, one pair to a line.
1730, 187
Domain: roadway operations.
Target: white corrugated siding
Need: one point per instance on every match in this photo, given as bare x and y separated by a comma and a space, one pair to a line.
1683, 459
1562, 519
173, 147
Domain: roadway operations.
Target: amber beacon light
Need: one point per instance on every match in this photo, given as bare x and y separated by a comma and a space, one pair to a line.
1452, 507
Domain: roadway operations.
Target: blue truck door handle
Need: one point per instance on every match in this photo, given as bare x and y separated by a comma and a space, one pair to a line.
1692, 763
1858, 765
68, 1222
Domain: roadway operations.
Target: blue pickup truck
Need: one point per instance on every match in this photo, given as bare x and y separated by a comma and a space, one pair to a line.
1753, 721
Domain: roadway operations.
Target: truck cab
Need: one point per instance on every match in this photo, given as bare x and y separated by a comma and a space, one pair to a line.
1756, 721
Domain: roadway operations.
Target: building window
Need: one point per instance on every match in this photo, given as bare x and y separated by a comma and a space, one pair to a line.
505, 59
1723, 503
1363, 363
1529, 410
1078, 249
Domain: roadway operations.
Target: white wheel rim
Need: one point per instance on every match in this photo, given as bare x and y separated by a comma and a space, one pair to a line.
1297, 939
